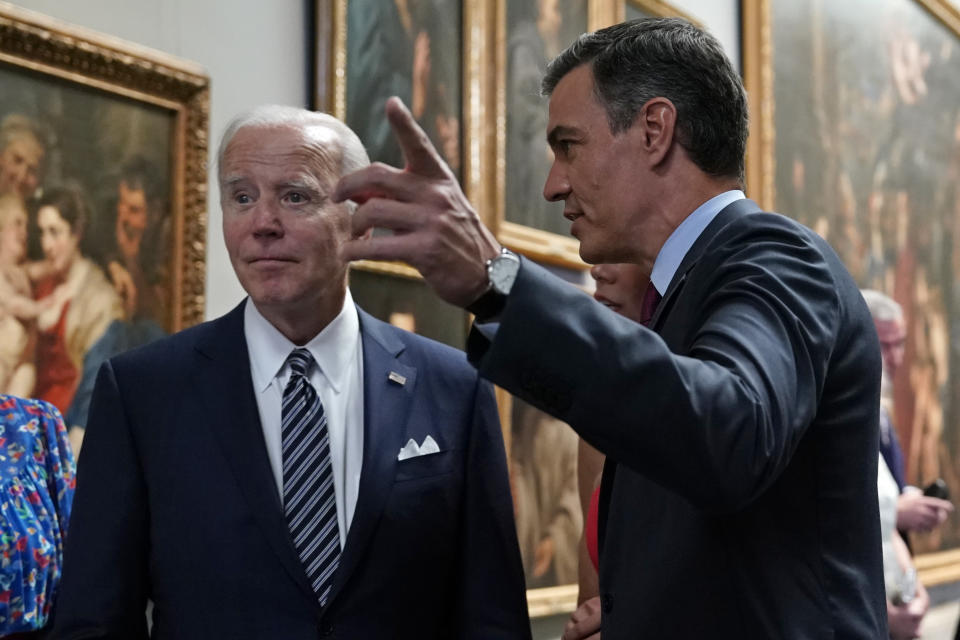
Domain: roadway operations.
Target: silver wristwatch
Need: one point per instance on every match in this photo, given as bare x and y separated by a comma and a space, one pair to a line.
501, 273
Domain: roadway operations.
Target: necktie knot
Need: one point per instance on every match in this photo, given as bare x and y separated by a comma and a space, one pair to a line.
300, 361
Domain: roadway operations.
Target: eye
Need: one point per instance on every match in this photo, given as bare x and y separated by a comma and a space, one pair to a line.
296, 197
241, 198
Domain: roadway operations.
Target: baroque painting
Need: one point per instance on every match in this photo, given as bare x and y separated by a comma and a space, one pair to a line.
410, 49
536, 32
93, 179
405, 301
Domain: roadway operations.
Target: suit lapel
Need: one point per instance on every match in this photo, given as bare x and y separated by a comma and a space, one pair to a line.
222, 374
385, 412
728, 214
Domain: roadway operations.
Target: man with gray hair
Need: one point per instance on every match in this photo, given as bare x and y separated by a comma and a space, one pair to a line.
294, 469
915, 511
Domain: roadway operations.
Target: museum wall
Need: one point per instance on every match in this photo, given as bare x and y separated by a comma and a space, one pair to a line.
255, 53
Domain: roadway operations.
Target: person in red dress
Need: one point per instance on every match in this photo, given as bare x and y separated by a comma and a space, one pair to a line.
66, 330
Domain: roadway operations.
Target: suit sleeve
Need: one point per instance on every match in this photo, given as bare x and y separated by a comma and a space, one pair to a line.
717, 424
104, 589
492, 597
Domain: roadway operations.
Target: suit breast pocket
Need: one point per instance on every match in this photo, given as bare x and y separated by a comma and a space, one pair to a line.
426, 466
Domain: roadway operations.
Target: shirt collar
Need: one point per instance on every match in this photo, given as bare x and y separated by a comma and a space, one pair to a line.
683, 237
333, 348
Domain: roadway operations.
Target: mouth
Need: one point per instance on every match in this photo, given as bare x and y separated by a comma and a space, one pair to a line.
607, 302
572, 215
269, 261
132, 232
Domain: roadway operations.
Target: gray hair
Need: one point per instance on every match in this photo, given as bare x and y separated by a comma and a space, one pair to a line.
636, 61
352, 154
15, 125
882, 307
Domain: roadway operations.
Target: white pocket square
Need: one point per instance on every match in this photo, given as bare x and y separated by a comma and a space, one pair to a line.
412, 449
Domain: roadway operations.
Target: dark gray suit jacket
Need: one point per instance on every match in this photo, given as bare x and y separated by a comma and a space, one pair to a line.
739, 498
176, 502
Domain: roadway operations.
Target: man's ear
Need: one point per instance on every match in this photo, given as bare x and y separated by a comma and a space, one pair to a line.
657, 120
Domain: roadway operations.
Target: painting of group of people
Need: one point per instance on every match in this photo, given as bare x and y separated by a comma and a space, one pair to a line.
867, 130
84, 235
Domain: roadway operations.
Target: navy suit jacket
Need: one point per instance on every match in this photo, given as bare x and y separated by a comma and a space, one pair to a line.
739, 497
176, 503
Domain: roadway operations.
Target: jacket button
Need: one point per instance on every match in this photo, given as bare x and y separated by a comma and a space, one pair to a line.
326, 629
606, 602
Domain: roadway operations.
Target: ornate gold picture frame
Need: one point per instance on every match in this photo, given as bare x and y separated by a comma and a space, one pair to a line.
107, 141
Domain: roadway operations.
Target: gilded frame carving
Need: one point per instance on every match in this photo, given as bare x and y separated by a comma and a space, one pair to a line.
34, 42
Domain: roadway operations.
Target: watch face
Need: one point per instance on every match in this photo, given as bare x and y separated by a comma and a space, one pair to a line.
503, 271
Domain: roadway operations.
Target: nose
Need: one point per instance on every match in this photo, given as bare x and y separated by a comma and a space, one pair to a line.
557, 187
265, 220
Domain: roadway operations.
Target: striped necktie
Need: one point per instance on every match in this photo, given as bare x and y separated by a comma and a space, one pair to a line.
309, 501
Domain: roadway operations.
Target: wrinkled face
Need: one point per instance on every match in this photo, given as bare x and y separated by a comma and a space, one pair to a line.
131, 219
282, 231
13, 235
893, 340
60, 244
597, 174
20, 164
621, 287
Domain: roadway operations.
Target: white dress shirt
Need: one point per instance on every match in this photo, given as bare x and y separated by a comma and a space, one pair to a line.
675, 249
338, 380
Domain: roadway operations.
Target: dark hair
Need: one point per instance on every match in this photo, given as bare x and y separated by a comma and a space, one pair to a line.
139, 174
636, 61
71, 203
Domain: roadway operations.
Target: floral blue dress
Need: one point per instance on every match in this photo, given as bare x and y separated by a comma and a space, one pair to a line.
37, 480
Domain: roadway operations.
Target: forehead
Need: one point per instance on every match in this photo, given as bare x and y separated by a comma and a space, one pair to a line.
131, 193
49, 216
25, 144
280, 152
890, 330
573, 102
11, 209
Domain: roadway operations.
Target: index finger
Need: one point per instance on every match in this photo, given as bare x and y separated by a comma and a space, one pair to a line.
422, 158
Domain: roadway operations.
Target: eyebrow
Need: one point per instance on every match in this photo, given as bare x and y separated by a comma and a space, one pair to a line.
558, 132
306, 184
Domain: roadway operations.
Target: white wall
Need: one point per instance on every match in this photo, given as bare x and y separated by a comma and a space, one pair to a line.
255, 53
721, 18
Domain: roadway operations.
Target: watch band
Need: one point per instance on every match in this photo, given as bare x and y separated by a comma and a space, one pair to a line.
488, 306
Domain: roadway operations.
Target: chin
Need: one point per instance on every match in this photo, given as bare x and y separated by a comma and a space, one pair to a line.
590, 255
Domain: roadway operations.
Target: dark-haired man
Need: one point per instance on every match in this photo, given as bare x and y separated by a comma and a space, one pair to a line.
739, 495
